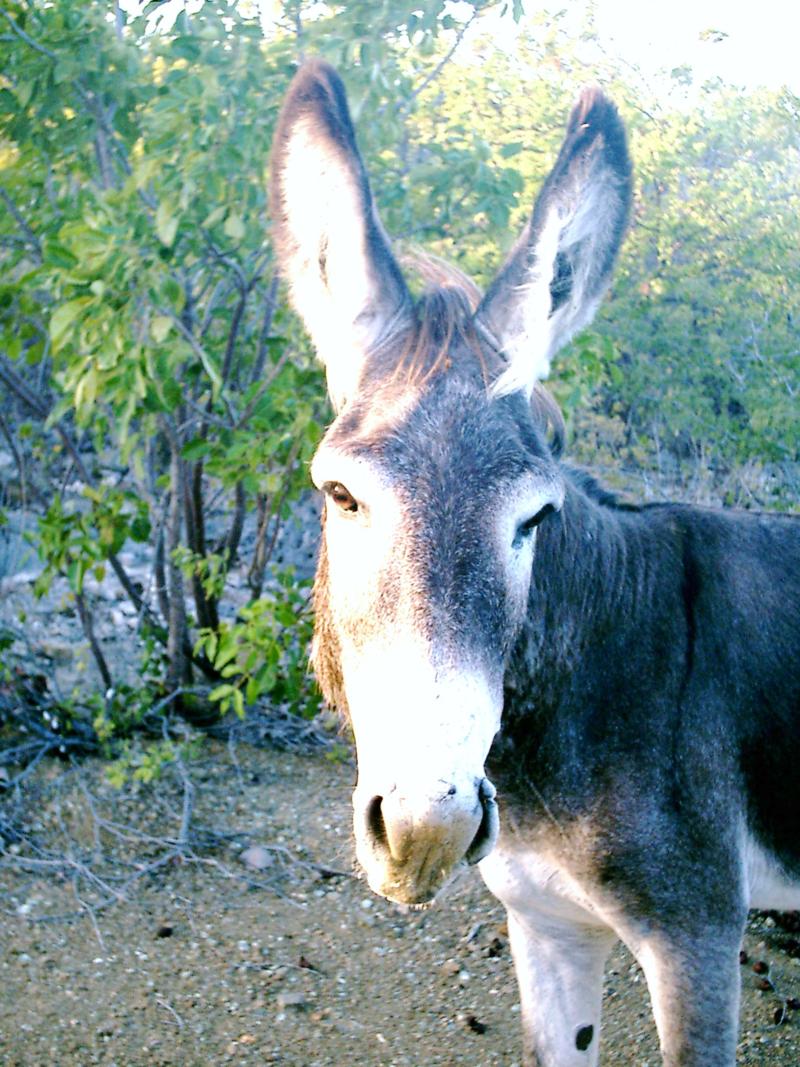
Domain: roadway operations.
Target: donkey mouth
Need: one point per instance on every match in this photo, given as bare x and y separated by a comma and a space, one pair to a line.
413, 866
412, 890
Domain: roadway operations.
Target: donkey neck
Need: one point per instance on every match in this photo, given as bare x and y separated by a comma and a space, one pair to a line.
595, 565
605, 625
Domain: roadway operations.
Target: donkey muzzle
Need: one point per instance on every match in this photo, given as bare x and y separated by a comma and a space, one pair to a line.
410, 843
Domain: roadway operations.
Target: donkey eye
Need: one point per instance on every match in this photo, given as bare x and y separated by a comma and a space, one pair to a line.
341, 496
526, 528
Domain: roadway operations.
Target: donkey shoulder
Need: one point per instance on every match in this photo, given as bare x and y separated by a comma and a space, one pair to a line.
741, 586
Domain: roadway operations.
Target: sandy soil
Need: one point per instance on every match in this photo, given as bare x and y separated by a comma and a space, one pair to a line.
298, 967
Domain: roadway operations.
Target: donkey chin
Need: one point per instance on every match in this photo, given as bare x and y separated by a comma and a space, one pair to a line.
409, 850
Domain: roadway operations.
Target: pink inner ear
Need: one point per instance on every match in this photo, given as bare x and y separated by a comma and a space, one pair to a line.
552, 282
343, 279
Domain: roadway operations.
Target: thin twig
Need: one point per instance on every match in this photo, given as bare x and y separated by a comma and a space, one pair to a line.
89, 910
270, 304
31, 239
188, 803
23, 36
437, 70
88, 630
162, 1003
5, 429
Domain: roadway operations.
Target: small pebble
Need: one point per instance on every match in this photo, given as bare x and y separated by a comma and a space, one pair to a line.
257, 858
292, 999
475, 1025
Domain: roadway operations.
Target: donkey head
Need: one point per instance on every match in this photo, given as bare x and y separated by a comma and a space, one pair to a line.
435, 471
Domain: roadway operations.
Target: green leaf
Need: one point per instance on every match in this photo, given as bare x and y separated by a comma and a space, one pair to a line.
173, 293
63, 317
234, 227
86, 390
221, 691
166, 225
196, 448
186, 47
160, 327
140, 529
59, 255
227, 650
215, 216
238, 702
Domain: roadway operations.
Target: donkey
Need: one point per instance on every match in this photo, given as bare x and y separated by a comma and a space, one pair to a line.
597, 703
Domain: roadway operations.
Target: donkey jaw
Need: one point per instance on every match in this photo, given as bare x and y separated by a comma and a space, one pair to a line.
416, 884
396, 888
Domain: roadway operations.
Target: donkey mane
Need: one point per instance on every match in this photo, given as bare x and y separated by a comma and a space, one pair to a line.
439, 321
442, 323
597, 492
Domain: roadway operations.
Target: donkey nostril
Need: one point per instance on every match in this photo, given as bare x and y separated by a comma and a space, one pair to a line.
483, 842
376, 827
486, 791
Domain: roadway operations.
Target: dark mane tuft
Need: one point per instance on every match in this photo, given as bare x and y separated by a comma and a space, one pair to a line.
547, 416
595, 491
444, 321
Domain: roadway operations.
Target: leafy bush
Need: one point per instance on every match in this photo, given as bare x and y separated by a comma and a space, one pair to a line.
160, 391
170, 398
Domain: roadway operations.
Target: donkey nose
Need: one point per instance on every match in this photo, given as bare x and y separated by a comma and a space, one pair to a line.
452, 820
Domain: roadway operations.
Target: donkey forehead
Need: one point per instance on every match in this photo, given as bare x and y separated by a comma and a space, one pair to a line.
443, 437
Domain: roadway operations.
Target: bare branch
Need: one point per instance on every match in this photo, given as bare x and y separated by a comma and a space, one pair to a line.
266, 328
230, 543
263, 550
5, 429
162, 1003
233, 334
437, 70
188, 802
23, 36
30, 237
177, 633
97, 652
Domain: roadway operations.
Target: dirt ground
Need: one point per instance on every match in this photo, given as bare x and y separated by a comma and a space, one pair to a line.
300, 965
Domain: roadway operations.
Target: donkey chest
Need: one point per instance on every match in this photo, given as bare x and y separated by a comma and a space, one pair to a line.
769, 884
532, 882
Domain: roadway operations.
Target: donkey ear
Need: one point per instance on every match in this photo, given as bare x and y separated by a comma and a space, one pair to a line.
552, 282
343, 279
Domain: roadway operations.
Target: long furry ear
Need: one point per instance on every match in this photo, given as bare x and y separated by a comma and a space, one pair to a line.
556, 274
343, 279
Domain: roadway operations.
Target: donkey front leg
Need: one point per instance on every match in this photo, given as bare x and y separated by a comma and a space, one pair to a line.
693, 980
559, 965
